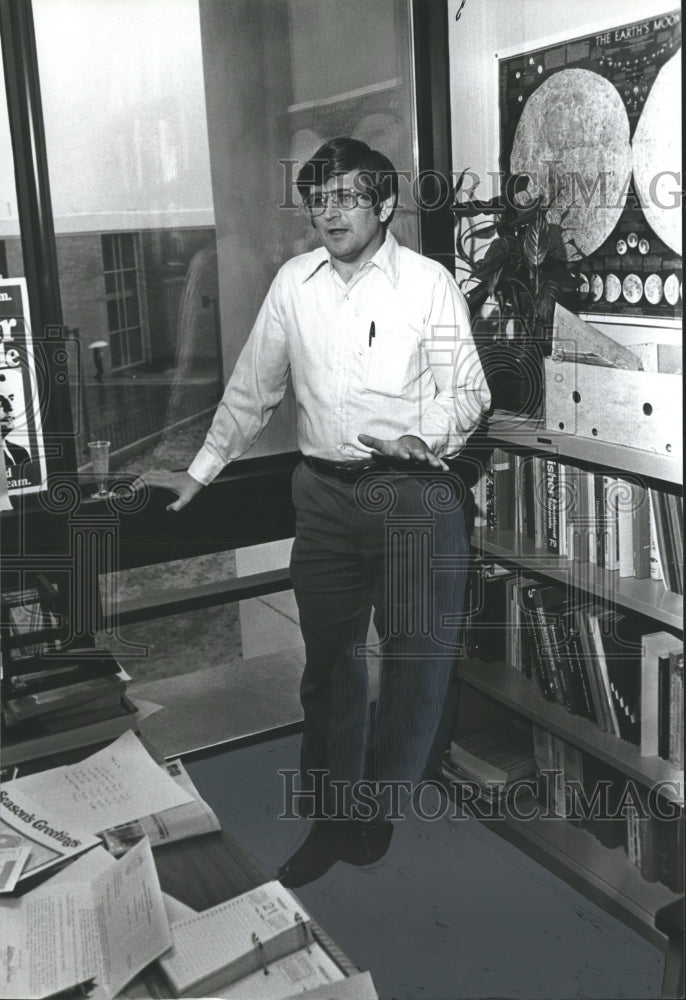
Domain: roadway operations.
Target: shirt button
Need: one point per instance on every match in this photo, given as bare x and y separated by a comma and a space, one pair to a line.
341, 447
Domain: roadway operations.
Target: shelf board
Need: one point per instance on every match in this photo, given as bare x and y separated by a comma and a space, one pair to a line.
603, 874
508, 428
511, 688
647, 597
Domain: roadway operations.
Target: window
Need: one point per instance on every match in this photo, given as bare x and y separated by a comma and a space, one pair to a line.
120, 265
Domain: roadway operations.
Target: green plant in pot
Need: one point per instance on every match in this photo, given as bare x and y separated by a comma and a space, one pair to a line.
529, 264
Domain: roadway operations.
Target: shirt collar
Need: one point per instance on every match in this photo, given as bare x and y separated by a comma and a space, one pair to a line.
386, 259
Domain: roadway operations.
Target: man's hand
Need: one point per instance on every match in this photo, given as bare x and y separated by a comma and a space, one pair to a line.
180, 483
407, 448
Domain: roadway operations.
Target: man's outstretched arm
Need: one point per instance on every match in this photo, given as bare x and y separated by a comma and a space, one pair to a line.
181, 483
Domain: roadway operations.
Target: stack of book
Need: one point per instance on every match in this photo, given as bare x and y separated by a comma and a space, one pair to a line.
493, 757
612, 522
56, 703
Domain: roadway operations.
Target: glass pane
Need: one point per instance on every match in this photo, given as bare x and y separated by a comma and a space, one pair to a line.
11, 260
139, 156
128, 255
132, 311
113, 321
107, 253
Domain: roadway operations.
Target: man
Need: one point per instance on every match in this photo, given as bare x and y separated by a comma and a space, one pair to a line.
15, 454
388, 385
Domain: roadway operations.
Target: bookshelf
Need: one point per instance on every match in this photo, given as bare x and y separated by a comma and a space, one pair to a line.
521, 694
647, 597
601, 873
495, 689
509, 429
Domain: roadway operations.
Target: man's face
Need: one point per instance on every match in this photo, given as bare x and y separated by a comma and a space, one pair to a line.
351, 235
6, 415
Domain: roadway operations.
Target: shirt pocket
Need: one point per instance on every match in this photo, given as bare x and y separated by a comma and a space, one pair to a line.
393, 361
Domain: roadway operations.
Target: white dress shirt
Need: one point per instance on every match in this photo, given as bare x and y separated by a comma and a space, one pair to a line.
416, 371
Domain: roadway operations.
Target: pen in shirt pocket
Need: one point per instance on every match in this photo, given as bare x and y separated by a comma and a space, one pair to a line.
372, 332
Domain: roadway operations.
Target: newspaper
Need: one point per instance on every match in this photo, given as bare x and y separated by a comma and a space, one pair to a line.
187, 820
26, 823
116, 785
12, 861
96, 924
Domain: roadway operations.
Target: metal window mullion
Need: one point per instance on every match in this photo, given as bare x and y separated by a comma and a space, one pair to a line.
34, 206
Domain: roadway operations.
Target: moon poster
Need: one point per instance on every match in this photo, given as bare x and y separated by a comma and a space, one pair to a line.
595, 123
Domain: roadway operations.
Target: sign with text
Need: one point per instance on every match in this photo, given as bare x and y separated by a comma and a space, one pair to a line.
20, 420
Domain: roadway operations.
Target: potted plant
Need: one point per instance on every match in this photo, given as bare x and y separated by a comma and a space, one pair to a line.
529, 264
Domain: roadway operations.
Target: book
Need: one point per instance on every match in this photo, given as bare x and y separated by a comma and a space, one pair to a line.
576, 493
656, 570
599, 623
625, 528
607, 824
540, 604
611, 531
676, 707
31, 740
222, 944
58, 698
503, 489
497, 754
592, 671
540, 501
485, 631
527, 497
640, 509
564, 765
664, 540
655, 650
553, 527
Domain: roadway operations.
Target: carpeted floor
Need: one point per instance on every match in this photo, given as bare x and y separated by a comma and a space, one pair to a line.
453, 912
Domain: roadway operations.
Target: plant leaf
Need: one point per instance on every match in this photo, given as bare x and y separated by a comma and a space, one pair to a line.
537, 241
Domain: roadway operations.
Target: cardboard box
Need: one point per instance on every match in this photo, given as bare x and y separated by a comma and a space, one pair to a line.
630, 408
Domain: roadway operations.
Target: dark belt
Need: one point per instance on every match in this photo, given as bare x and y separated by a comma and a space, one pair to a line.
344, 472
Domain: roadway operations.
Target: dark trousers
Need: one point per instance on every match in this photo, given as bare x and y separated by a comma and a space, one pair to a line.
395, 545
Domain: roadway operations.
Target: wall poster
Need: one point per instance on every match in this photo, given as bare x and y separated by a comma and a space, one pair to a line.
23, 448
596, 123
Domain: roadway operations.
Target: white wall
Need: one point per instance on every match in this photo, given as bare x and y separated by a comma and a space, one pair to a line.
488, 28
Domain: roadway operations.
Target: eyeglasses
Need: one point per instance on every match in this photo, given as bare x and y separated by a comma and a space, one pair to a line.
343, 198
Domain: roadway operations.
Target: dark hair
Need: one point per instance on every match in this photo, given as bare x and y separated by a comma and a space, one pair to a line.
344, 155
6, 404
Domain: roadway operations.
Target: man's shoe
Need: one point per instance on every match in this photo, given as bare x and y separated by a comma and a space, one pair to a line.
367, 841
321, 849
